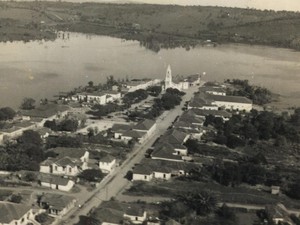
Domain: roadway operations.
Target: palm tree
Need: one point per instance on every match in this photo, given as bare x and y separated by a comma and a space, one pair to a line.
202, 202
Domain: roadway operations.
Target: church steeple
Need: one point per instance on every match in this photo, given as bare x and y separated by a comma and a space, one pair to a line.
168, 79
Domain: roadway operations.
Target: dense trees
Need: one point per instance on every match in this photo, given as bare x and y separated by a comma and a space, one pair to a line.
28, 103
64, 125
7, 113
26, 154
135, 97
91, 175
258, 95
64, 141
240, 130
99, 111
154, 90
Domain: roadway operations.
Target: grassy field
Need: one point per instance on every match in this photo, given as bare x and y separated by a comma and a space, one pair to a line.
240, 194
153, 25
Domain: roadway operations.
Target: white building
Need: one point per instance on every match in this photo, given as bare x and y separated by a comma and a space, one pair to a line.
56, 182
232, 102
107, 164
135, 214
16, 214
175, 84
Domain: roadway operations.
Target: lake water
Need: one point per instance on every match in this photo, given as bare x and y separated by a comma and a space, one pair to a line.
41, 69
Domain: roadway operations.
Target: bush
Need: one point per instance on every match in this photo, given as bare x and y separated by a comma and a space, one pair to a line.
91, 175
15, 198
41, 218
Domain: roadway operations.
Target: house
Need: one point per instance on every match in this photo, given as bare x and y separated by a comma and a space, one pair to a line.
134, 135
231, 102
213, 90
136, 84
69, 161
107, 164
95, 97
56, 182
17, 214
108, 216
278, 214
46, 112
147, 125
56, 205
119, 129
135, 214
275, 190
200, 102
142, 173
165, 151
216, 113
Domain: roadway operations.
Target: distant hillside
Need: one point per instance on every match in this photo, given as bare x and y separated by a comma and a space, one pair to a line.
154, 26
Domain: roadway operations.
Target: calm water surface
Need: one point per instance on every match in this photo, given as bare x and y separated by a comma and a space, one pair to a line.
41, 69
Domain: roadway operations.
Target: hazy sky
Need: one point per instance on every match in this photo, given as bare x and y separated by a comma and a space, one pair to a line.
292, 5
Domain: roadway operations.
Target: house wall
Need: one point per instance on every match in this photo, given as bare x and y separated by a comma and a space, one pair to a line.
164, 176
23, 220
60, 213
181, 151
85, 157
117, 135
234, 105
142, 177
67, 187
136, 219
106, 223
68, 170
216, 93
107, 166
45, 169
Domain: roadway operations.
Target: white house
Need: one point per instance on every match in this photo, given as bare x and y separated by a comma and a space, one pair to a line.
16, 214
107, 164
142, 173
64, 164
232, 102
147, 126
213, 90
56, 182
135, 214
57, 205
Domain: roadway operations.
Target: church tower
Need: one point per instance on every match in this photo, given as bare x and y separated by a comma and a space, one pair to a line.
168, 79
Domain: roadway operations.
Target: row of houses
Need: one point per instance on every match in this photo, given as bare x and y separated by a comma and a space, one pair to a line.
149, 169
101, 98
140, 131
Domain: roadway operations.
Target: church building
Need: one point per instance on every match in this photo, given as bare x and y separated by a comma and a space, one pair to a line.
179, 82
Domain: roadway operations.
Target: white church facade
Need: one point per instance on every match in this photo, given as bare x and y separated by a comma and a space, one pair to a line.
180, 83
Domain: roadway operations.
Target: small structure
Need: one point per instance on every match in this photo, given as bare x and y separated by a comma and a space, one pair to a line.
109, 216
142, 173
107, 164
278, 214
275, 190
57, 205
135, 214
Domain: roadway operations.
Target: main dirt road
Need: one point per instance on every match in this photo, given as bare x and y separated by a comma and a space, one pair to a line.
115, 182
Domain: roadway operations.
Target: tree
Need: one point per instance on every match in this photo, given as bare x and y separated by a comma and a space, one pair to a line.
28, 104
91, 84
41, 218
226, 215
91, 175
295, 118
154, 90
293, 190
68, 125
7, 113
15, 198
201, 202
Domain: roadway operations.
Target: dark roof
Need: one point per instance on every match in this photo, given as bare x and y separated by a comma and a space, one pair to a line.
144, 125
165, 151
204, 112
120, 128
142, 169
134, 134
237, 99
12, 211
56, 201
107, 158
67, 161
108, 215
212, 88
52, 179
133, 210
45, 111
173, 136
